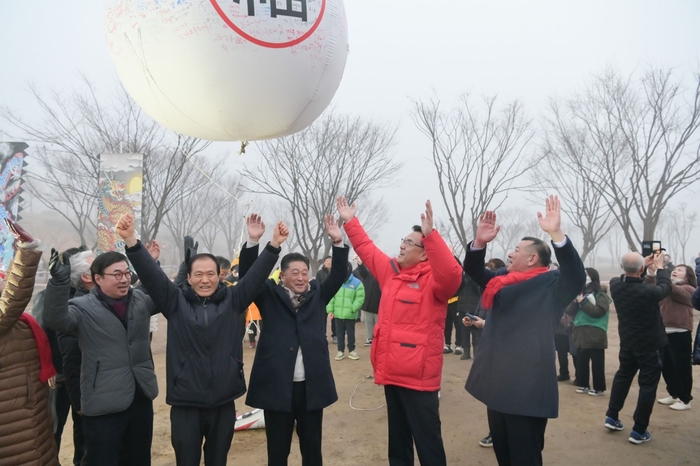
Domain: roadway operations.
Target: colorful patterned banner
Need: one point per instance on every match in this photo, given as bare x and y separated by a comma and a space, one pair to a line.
12, 155
121, 186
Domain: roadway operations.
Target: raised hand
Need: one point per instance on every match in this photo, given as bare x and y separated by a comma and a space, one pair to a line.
59, 271
333, 229
426, 219
280, 234
154, 249
190, 248
18, 232
551, 221
125, 229
486, 229
346, 212
256, 227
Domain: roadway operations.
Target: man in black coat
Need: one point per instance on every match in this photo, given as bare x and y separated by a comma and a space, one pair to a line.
642, 339
515, 373
204, 357
291, 377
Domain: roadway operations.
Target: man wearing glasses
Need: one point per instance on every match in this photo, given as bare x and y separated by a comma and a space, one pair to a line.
408, 339
118, 383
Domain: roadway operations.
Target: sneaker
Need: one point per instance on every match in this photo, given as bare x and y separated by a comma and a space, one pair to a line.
613, 424
335, 340
459, 350
353, 355
466, 355
486, 442
669, 400
680, 406
583, 390
638, 438
447, 349
596, 392
563, 378
340, 356
368, 342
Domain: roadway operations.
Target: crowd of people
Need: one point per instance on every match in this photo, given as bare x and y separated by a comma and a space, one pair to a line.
87, 349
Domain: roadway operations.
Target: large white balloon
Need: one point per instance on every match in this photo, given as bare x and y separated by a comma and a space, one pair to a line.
229, 70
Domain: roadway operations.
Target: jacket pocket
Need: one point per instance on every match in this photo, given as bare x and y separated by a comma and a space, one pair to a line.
406, 354
407, 308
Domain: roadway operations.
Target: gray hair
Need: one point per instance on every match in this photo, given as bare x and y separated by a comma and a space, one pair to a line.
632, 262
79, 266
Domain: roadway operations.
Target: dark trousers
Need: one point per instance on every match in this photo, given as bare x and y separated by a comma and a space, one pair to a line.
190, 425
649, 367
343, 326
561, 343
596, 359
121, 439
452, 320
279, 427
79, 452
517, 440
414, 417
677, 366
470, 336
60, 406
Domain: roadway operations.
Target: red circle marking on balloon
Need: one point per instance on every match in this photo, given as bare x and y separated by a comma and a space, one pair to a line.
262, 43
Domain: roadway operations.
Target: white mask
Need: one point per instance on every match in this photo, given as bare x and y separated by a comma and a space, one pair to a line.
588, 280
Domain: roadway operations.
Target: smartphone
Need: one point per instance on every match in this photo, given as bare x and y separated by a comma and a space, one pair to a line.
470, 316
650, 246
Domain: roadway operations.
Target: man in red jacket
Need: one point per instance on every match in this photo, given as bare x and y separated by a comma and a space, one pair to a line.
408, 338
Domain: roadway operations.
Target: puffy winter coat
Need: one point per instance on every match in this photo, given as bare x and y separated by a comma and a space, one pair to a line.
26, 427
348, 301
409, 335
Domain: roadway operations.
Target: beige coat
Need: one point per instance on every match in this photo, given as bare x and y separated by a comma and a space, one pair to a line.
26, 429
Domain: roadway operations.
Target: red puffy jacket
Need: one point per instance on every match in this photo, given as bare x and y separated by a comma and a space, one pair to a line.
409, 335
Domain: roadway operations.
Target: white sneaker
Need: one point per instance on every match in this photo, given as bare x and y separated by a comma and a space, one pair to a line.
582, 390
680, 406
353, 355
669, 400
459, 350
340, 356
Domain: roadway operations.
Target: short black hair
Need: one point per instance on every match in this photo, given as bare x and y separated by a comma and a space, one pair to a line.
417, 229
224, 264
293, 257
327, 257
203, 255
495, 263
544, 254
101, 262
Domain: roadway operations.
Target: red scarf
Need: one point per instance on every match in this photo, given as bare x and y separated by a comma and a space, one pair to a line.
511, 278
42, 345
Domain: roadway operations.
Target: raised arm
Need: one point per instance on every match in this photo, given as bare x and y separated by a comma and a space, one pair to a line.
447, 272
19, 284
339, 261
486, 231
58, 315
376, 261
161, 290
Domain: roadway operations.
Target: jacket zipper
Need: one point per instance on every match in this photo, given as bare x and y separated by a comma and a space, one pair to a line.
206, 327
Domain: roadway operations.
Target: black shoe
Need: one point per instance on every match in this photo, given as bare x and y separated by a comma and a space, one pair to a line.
466, 355
563, 378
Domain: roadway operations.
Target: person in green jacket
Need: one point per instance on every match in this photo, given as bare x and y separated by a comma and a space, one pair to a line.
345, 306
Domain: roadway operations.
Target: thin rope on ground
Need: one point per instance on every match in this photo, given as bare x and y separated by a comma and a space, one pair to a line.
355, 391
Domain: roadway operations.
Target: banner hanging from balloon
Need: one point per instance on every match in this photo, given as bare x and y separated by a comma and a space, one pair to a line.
229, 70
121, 192
12, 163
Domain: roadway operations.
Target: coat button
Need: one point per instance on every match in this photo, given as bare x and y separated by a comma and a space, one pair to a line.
291, 348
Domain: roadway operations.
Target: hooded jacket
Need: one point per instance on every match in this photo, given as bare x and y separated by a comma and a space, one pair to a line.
26, 429
409, 335
349, 299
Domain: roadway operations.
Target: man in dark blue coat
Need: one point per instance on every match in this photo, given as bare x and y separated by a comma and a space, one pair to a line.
515, 373
291, 377
204, 357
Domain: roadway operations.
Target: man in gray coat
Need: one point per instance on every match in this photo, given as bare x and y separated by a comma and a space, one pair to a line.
118, 383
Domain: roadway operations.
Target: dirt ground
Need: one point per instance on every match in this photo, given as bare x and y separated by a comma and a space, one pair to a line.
359, 436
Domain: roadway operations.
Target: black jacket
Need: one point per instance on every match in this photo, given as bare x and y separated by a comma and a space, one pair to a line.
638, 314
204, 357
322, 274
466, 299
285, 330
372, 292
514, 371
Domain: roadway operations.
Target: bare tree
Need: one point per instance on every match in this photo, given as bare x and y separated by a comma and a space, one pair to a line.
233, 209
76, 129
478, 154
565, 167
642, 137
514, 226
337, 155
680, 226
